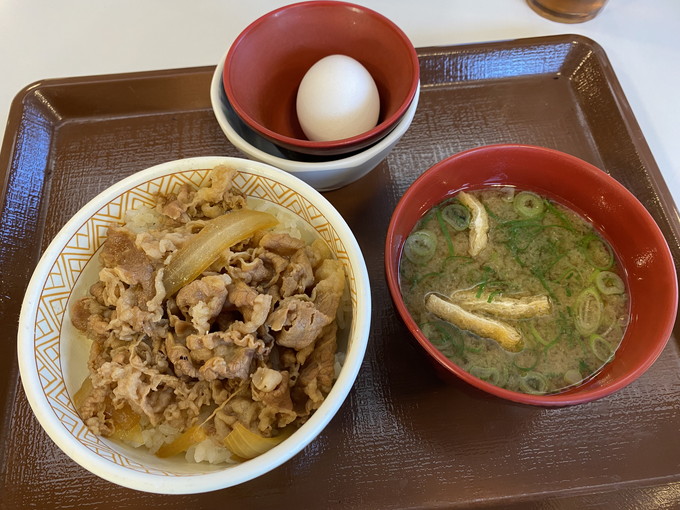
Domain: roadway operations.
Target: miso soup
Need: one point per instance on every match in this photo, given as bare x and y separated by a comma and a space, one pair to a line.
516, 289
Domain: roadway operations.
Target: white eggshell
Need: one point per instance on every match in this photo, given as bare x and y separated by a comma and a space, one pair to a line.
337, 99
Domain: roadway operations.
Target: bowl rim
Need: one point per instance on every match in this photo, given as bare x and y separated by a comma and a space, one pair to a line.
301, 167
303, 144
230, 475
393, 248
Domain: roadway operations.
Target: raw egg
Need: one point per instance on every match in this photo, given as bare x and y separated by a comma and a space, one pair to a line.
337, 99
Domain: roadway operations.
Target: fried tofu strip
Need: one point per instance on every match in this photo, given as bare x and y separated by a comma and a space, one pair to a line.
479, 223
503, 307
507, 336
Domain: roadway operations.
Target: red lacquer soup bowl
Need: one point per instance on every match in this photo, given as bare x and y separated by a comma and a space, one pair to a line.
267, 61
642, 251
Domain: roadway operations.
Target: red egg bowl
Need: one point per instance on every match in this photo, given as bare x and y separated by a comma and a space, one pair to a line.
620, 218
267, 61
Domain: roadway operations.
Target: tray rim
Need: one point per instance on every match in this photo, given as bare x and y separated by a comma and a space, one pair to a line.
667, 204
627, 115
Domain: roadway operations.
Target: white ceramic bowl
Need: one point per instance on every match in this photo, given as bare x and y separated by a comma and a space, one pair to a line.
323, 175
53, 355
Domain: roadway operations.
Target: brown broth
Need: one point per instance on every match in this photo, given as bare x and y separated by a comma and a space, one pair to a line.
556, 254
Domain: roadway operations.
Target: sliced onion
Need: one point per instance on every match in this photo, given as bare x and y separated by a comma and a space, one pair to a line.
83, 392
246, 444
183, 442
420, 246
126, 425
202, 249
125, 421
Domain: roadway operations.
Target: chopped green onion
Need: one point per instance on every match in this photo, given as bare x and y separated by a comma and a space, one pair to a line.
444, 337
490, 213
455, 335
565, 326
560, 216
420, 246
434, 335
445, 232
456, 215
489, 284
572, 377
538, 274
539, 338
487, 281
416, 281
588, 311
601, 348
464, 259
528, 204
474, 344
533, 383
609, 283
526, 359
571, 273
429, 216
488, 374
492, 295
598, 252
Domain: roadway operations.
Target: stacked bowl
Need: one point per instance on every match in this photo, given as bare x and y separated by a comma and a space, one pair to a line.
254, 90
253, 94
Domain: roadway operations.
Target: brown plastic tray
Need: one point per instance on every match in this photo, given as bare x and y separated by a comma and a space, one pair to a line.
403, 438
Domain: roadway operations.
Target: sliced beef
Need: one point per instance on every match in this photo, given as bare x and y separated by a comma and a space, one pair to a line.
297, 323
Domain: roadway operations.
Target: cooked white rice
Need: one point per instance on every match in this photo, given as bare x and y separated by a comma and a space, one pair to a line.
142, 219
209, 451
154, 438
